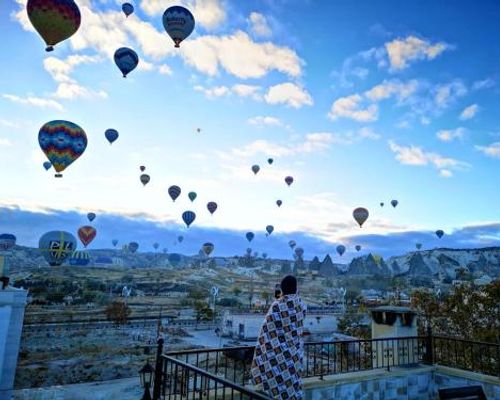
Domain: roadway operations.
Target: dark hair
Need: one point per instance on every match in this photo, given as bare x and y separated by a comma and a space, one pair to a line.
289, 285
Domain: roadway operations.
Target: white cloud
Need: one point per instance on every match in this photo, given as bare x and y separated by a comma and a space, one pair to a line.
69, 90
164, 69
352, 107
483, 84
258, 25
413, 155
9, 124
493, 150
469, 112
392, 88
34, 101
251, 91
448, 135
447, 93
265, 121
445, 173
5, 142
217, 91
289, 94
368, 133
253, 60
402, 51
209, 13
238, 89
60, 70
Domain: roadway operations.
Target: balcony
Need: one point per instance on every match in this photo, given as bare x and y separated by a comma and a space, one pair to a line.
392, 368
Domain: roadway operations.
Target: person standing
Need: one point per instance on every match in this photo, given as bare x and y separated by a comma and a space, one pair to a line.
277, 362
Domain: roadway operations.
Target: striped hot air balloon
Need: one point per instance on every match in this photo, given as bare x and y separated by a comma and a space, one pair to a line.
174, 191
188, 217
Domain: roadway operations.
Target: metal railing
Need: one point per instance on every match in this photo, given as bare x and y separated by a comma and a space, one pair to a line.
221, 372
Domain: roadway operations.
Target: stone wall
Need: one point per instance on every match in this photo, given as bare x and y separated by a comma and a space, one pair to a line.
399, 384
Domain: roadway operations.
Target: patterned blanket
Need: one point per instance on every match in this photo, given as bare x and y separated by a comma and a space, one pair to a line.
277, 363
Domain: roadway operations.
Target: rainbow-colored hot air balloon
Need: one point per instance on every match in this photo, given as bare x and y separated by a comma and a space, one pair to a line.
54, 20
178, 22
62, 142
57, 246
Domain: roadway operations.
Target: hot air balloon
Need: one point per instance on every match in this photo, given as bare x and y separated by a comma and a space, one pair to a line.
439, 233
211, 207
145, 178
142, 168
111, 135
62, 142
165, 250
357, 247
180, 239
264, 255
192, 196
133, 246
418, 246
382, 204
80, 258
178, 22
86, 234
249, 251
250, 236
198, 130
394, 203
292, 244
56, 246
114, 242
207, 248
279, 203
47, 165
127, 9
174, 259
270, 161
188, 217
289, 180
91, 216
156, 245
340, 249
126, 60
7, 241
299, 252
54, 20
255, 169
269, 229
360, 215
174, 191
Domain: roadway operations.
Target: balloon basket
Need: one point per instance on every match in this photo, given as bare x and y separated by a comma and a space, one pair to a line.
58, 175
49, 48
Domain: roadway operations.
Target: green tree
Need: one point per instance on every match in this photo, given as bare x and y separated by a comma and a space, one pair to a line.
118, 312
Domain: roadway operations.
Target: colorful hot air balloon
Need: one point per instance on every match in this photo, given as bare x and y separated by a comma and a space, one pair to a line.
289, 180
142, 168
418, 246
133, 246
270, 161
340, 249
56, 246
178, 22
192, 196
62, 142
7, 241
180, 239
54, 20
250, 236
145, 178
79, 258
174, 259
394, 203
269, 229
357, 247
127, 9
279, 203
91, 216
207, 248
114, 242
292, 244
174, 191
47, 165
156, 245
188, 217
439, 233
360, 215
255, 169
211, 207
111, 135
299, 252
382, 204
86, 234
126, 60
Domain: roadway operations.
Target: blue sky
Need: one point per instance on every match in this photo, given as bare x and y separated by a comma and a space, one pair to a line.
361, 103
